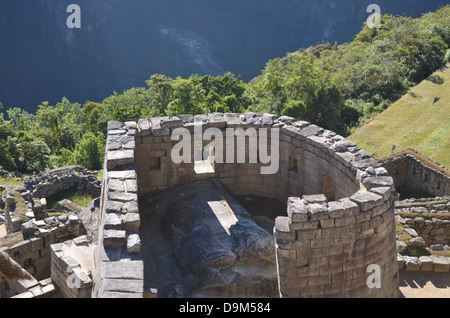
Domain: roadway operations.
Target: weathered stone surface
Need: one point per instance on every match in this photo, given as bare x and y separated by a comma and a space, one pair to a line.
296, 210
315, 198
122, 175
118, 158
114, 206
310, 130
173, 122
186, 118
114, 238
144, 126
318, 212
114, 125
335, 209
128, 286
215, 241
366, 199
440, 263
401, 246
426, 263
113, 221
217, 120
412, 263
124, 270
133, 244
268, 120
418, 241
232, 120
131, 221
378, 182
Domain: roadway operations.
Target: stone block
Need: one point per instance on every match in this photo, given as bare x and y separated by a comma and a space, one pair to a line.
440, 263
411, 263
173, 122
115, 125
123, 285
335, 210
217, 120
400, 261
315, 198
122, 175
296, 210
378, 182
113, 221
426, 263
114, 206
366, 199
318, 212
282, 230
131, 221
123, 197
114, 238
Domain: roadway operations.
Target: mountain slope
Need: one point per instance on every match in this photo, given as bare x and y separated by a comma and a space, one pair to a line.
122, 43
419, 120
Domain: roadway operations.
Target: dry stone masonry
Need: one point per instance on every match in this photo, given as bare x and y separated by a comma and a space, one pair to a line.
339, 221
414, 174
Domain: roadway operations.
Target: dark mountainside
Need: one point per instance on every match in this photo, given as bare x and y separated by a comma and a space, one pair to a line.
122, 43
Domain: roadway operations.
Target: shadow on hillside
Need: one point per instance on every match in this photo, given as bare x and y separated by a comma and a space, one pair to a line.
436, 79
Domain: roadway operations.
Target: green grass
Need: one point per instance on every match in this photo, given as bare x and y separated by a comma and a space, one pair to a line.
73, 194
12, 181
419, 120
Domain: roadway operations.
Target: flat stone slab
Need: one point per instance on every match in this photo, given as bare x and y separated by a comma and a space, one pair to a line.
440, 263
366, 199
123, 270
114, 238
123, 285
426, 263
296, 210
116, 158
412, 263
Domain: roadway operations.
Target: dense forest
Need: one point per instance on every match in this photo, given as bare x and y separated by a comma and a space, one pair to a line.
121, 43
334, 86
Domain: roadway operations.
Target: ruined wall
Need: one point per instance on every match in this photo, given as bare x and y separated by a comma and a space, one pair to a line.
323, 249
415, 174
49, 183
33, 253
430, 218
300, 172
118, 264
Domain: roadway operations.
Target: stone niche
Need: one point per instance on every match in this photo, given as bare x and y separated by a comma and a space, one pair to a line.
339, 218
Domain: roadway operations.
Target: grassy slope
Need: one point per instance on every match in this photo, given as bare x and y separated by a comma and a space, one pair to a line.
415, 121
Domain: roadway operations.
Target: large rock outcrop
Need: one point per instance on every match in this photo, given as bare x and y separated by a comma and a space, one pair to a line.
218, 247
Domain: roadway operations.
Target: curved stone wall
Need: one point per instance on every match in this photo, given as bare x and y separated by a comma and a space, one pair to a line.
340, 218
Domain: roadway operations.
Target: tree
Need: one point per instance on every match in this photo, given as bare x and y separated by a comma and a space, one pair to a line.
90, 151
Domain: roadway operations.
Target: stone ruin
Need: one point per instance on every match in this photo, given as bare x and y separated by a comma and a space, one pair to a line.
171, 229
212, 228
422, 209
30, 230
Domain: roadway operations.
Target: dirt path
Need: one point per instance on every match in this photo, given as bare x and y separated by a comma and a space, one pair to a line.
424, 284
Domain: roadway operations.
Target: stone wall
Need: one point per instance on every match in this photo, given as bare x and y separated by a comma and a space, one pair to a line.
33, 252
430, 218
119, 270
49, 183
414, 173
72, 273
324, 246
